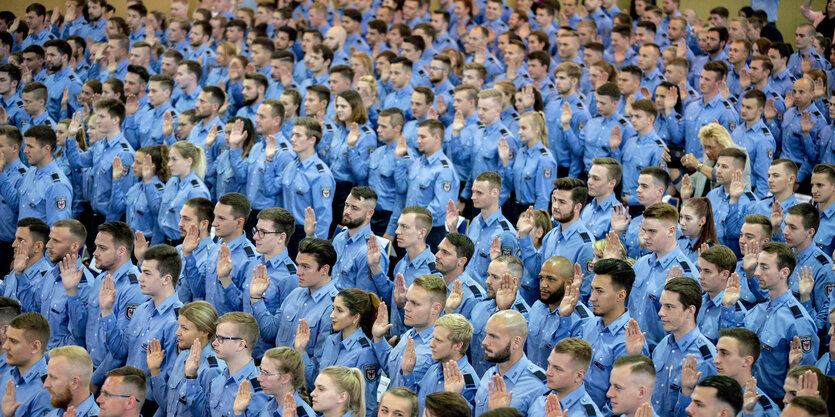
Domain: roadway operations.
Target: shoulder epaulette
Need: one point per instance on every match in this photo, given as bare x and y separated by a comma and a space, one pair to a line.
589, 410
520, 307
320, 167
580, 105
256, 386
249, 252
125, 146
364, 342
684, 266
750, 195
21, 170
43, 378
505, 225
367, 129
212, 361
475, 290
678, 116
796, 311
705, 351
329, 127
290, 267
504, 131
431, 266
543, 151
775, 95
195, 183
792, 77
445, 163
301, 412
132, 278
177, 312
582, 311
71, 77
159, 186
726, 103
283, 145
622, 121
822, 259
766, 131
586, 237
817, 113
56, 177
765, 403
539, 374
469, 381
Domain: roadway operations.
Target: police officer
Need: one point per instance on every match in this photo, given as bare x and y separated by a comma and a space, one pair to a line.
567, 367
604, 175
801, 127
11, 177
61, 80
71, 369
463, 292
485, 155
208, 104
187, 170
511, 372
196, 218
567, 116
45, 192
530, 175
716, 264
652, 185
756, 138
160, 88
29, 265
34, 97
731, 194
29, 329
12, 104
382, 168
139, 214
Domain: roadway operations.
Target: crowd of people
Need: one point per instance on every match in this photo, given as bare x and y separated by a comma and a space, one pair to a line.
397, 208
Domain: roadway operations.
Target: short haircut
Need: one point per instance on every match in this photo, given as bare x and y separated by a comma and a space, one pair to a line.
621, 273
493, 179
634, 71
718, 67
36, 88
13, 71
12, 135
37, 8
435, 286
646, 106
659, 176
739, 156
406, 394
757, 95
395, 116
282, 220
423, 217
43, 135
75, 227
459, 328
749, 342
727, 390
613, 167
343, 70
216, 94
259, 79
166, 82
785, 257
203, 315
365, 193
245, 326
762, 221
321, 92
638, 364
168, 261
825, 169
789, 166
9, 309
662, 211
579, 191
464, 247
77, 356
809, 215
321, 250
203, 207
515, 267
34, 326
447, 404
133, 378
481, 70
37, 228
61, 45
571, 69
688, 290
140, 71
814, 406
120, 232
721, 256
112, 106
610, 90
579, 349
239, 203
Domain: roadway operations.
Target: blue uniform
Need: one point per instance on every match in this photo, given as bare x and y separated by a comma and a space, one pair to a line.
249, 171
473, 293
482, 312
727, 228
761, 147
776, 323
433, 381
432, 183
801, 149
526, 380
169, 390
650, 277
485, 155
314, 307
55, 84
577, 403
821, 265
597, 215
531, 176
189, 286
55, 306
25, 122
281, 271
698, 114
228, 299
391, 358
150, 128
100, 158
139, 214
88, 408
351, 268
14, 108
460, 148
382, 170
276, 408
218, 401
172, 199
711, 318
423, 264
307, 183
26, 287
482, 232
350, 164
152, 322
354, 352
226, 181
29, 389
36, 38
546, 328
573, 242
794, 63
399, 98
638, 153
668, 356
45, 193
187, 101
10, 179
825, 236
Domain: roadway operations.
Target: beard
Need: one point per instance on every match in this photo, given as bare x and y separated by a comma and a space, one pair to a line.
554, 298
498, 357
60, 399
352, 223
250, 101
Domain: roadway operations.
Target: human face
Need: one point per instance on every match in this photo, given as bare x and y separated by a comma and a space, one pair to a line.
310, 273
188, 217
31, 105
34, 152
227, 348
54, 60
400, 75
265, 123
386, 130
495, 271
691, 223
709, 82
23, 241
801, 39
94, 10
341, 317
483, 195
134, 21
35, 22
703, 403
59, 244
536, 70
551, 284
725, 169
343, 110
711, 279
794, 232
729, 360
606, 106
420, 310
769, 276
648, 193
111, 405
326, 395
272, 380
737, 54
674, 316
625, 393
427, 142
599, 182
178, 165
187, 333
301, 141
802, 93
157, 94
442, 348
394, 406
267, 242
471, 77
196, 37
642, 121
6, 84
19, 350
790, 387
226, 224
107, 253
657, 233
419, 105
356, 212
627, 83
750, 110
749, 234
570, 7
409, 51
497, 342
58, 382
8, 150
528, 133
605, 298
489, 110
562, 206
561, 372
823, 190
151, 280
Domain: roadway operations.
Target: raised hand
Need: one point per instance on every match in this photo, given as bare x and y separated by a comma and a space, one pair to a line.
65, 98
724, 90
806, 123
302, 336
572, 293
243, 398
118, 168
789, 99
689, 374
499, 396
671, 100
20, 260
193, 359
373, 256
525, 224
167, 124
750, 396
4, 117
237, 135
565, 116
795, 352
224, 265
553, 407
107, 296
154, 356
409, 358
701, 249
211, 137
147, 169
310, 222
506, 293
131, 104
635, 339
504, 151
75, 125
805, 283
770, 110
744, 79
686, 187
9, 404
289, 407
820, 90
455, 297
381, 325
440, 104
399, 293
402, 148
808, 383
458, 122
749, 259
271, 148
674, 272
453, 377
191, 241
71, 274
613, 248
353, 135
805, 62
495, 248
776, 216
733, 290
451, 217
620, 219
260, 283
71, 412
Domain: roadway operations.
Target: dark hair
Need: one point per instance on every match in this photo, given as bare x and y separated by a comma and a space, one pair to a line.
395, 116
168, 261
502, 412
43, 134
721, 256
61, 45
320, 91
749, 342
703, 208
120, 232
239, 203
13, 71
814, 406
113, 107
688, 290
621, 273
34, 326
579, 191
609, 89
140, 71
727, 390
785, 257
363, 303
447, 404
37, 228
464, 247
38, 8
717, 66
12, 134
809, 215
659, 175
9, 309
282, 220
134, 378
204, 209
321, 250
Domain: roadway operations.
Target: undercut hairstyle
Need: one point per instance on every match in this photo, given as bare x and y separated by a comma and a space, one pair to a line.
426, 92
311, 127
721, 256
203, 315
447, 404
35, 328
265, 43
245, 327
141, 72
762, 221
739, 156
12, 71
216, 94
623, 30
321, 92
9, 309
825, 169
168, 261
481, 70
610, 90
571, 69
435, 286
659, 176
688, 290
164, 81
613, 167
515, 267
579, 349
728, 391
459, 328
61, 45
406, 62
791, 168
718, 67
757, 95
239, 203
365, 194
621, 273
36, 88
276, 107
662, 211
321, 250
395, 116
638, 364
809, 215
78, 357
204, 209
43, 135
37, 228
493, 179
75, 227
634, 71
416, 41
121, 234
464, 247
785, 257
579, 191
814, 406
12, 135
680, 62
132, 378
423, 217
259, 79
408, 395
343, 70
748, 341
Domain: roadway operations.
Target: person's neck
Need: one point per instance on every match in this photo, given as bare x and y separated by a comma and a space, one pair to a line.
822, 206
441, 82
801, 50
666, 249
613, 314
503, 367
646, 130
451, 276
467, 113
237, 362
601, 198
161, 105
162, 295
232, 236
44, 161
568, 93
777, 290
750, 123
313, 288
803, 245
715, 54
488, 211
80, 396
336, 412
307, 153
348, 331
415, 250
743, 377
760, 85
421, 327
562, 393
34, 259
783, 195
738, 66
566, 225
116, 266
273, 252
23, 369
681, 332
320, 73
357, 229
429, 153
801, 106
190, 88
709, 96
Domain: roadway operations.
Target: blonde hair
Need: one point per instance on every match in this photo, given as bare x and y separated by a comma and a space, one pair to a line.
245, 325
600, 246
537, 119
366, 62
492, 93
350, 381
716, 133
372, 82
203, 315
77, 357
290, 362
460, 329
198, 157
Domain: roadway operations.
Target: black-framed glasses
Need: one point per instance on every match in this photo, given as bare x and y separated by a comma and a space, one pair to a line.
108, 394
259, 232
221, 339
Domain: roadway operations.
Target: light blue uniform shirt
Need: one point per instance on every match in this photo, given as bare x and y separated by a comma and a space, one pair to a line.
526, 380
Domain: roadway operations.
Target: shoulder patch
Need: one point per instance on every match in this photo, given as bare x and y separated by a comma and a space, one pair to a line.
750, 195
212, 361
367, 129
705, 351
504, 131
177, 312
125, 146
56, 177
195, 183
726, 103
579, 104
445, 163
364, 342
796, 311
582, 311
476, 291
43, 378
589, 410
520, 307
766, 132
160, 187
505, 225
22, 170
817, 113
764, 402
543, 151
320, 167
822, 259
133, 279
256, 386
431, 266
290, 267
684, 267
249, 252
301, 412
541, 375
469, 381
586, 237
622, 121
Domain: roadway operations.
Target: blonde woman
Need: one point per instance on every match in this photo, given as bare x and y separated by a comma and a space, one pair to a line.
339, 392
282, 376
714, 137
370, 93
220, 73
533, 170
187, 165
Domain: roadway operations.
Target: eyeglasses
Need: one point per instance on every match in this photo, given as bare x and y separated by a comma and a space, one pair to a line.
107, 394
221, 339
267, 374
261, 233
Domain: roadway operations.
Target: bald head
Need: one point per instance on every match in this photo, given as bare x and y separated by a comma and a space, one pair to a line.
335, 38
560, 265
512, 322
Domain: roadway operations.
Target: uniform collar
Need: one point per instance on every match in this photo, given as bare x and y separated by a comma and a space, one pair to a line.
237, 242
517, 370
667, 259
717, 301
424, 258
687, 339
618, 323
38, 369
249, 370
324, 290
279, 259
425, 335
573, 397
172, 301
607, 204
186, 182
756, 127
352, 340
806, 253
361, 235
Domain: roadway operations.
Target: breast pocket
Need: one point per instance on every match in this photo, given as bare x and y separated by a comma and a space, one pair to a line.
772, 341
